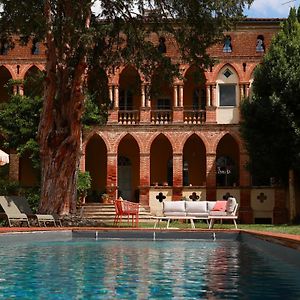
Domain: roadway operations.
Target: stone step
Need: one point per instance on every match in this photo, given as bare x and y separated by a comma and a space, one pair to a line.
106, 212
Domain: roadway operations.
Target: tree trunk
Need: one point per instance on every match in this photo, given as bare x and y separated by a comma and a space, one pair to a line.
60, 124
292, 198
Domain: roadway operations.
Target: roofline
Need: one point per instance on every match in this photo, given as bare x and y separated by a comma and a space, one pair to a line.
263, 20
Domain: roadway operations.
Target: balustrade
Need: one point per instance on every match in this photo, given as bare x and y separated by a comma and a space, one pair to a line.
194, 116
129, 117
161, 116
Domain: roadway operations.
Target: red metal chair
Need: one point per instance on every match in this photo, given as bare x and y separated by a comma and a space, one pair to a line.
128, 209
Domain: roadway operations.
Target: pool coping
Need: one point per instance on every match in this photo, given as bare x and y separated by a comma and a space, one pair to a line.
288, 240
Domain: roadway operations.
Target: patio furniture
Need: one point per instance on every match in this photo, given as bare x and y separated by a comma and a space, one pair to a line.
11, 211
127, 209
230, 213
42, 219
184, 210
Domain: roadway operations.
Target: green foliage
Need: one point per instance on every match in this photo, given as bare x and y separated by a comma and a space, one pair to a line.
271, 118
93, 113
19, 119
83, 183
8, 187
33, 197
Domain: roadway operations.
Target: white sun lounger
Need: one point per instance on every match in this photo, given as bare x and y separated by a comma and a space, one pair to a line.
22, 204
12, 212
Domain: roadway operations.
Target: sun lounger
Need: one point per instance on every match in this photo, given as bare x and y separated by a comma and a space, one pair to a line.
23, 205
12, 212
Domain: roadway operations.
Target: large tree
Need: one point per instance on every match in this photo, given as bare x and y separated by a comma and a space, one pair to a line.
77, 40
271, 126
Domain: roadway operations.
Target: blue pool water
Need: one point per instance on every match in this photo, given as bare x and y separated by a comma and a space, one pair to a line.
128, 269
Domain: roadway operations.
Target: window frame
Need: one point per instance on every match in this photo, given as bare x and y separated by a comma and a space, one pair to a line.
234, 85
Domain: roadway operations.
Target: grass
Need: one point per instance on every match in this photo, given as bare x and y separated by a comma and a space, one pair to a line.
284, 228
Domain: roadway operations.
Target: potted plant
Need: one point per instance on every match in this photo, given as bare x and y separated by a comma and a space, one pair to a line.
83, 185
105, 198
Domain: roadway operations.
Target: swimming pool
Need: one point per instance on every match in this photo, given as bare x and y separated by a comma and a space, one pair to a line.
97, 268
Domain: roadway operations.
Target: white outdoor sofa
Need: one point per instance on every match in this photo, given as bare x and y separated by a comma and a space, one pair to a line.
229, 214
196, 210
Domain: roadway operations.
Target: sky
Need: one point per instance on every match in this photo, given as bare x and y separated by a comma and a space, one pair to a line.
271, 8
263, 8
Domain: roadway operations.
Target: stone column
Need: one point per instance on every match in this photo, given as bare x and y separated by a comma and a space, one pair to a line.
245, 179
143, 96
245, 210
116, 96
181, 95
177, 176
145, 112
208, 96
214, 96
21, 89
82, 161
242, 95
280, 213
175, 96
112, 175
15, 89
144, 178
211, 116
110, 92
247, 90
148, 100
113, 116
211, 181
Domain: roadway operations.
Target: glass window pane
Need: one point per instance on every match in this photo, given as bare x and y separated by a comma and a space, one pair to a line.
227, 95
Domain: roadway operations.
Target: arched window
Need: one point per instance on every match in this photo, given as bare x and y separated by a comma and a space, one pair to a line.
170, 172
227, 86
227, 48
35, 50
126, 100
162, 45
4, 47
185, 173
199, 99
124, 161
226, 171
260, 45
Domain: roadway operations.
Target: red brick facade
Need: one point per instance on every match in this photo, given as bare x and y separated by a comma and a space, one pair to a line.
181, 138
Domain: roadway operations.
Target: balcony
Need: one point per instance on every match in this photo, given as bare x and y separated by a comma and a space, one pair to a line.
194, 116
159, 116
128, 117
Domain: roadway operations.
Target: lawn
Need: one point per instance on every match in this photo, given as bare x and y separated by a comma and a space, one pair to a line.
284, 228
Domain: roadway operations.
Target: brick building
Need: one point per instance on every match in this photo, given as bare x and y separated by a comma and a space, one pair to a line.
182, 143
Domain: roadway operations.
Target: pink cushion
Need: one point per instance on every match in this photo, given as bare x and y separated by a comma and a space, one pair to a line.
220, 206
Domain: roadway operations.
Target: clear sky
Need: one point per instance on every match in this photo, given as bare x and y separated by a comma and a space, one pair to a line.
271, 8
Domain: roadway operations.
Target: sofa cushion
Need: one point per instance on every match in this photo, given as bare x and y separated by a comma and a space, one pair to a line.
196, 208
218, 213
174, 208
230, 204
220, 206
210, 205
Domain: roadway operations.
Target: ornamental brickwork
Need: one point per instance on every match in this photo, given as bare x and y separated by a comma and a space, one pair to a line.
184, 141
